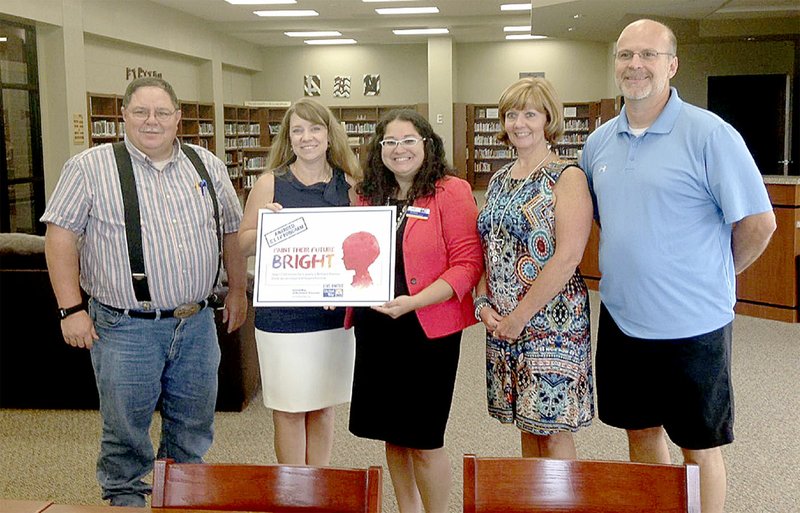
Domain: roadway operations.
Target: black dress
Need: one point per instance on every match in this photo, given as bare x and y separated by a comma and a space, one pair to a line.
403, 381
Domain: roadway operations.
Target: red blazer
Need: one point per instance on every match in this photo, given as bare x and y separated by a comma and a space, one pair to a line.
445, 246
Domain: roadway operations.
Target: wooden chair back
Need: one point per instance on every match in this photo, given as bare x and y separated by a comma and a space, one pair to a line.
542, 485
273, 488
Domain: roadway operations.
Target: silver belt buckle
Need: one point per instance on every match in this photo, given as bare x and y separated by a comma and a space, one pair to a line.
186, 310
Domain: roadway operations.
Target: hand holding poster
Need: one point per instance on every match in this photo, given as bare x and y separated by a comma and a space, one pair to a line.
325, 256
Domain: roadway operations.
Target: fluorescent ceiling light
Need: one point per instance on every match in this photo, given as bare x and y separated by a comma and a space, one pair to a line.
765, 8
330, 41
420, 32
261, 2
3, 39
524, 36
319, 33
515, 7
517, 28
286, 14
408, 10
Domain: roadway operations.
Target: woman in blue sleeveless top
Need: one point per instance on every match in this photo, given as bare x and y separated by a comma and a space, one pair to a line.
305, 354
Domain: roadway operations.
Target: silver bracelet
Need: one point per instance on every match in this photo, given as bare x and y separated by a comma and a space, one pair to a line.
480, 303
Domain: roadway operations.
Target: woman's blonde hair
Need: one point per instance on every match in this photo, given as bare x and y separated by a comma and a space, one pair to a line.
538, 93
339, 154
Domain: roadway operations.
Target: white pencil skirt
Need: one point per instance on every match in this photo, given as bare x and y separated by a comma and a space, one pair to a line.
306, 371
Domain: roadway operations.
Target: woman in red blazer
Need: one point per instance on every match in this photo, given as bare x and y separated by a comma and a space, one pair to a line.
407, 349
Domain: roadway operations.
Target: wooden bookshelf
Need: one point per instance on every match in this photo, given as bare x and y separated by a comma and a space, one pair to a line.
249, 132
360, 122
105, 118
106, 123
248, 135
485, 154
579, 122
197, 124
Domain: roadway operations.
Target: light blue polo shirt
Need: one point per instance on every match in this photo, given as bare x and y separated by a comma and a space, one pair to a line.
666, 202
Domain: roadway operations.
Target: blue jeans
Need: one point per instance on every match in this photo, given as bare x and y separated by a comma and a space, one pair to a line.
136, 363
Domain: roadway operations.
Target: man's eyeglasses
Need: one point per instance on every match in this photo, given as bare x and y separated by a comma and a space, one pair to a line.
394, 143
159, 114
646, 55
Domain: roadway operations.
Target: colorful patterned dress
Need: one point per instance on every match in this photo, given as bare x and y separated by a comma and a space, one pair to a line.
543, 380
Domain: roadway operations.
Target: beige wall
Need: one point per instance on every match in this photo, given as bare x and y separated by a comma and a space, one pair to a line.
237, 85
403, 71
578, 70
107, 60
696, 62
154, 26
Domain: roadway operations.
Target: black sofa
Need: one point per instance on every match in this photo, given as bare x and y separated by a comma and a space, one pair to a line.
39, 370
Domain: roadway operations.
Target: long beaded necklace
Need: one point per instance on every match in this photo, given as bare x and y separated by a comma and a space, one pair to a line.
495, 240
401, 215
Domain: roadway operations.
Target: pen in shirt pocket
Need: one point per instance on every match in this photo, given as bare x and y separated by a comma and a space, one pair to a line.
202, 184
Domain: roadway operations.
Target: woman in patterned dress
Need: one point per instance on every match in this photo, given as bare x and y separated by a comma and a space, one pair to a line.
532, 299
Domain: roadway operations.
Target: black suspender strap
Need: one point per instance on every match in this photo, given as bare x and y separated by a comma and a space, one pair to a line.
133, 225
203, 172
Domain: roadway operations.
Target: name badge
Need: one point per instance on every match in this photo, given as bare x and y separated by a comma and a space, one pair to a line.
418, 212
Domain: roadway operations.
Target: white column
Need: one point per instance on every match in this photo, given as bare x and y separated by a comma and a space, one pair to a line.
62, 89
211, 90
440, 90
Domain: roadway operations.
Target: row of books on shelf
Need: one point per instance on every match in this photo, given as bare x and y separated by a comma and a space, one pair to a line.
487, 127
255, 163
487, 113
573, 139
486, 140
274, 128
358, 140
199, 142
569, 153
248, 181
250, 163
576, 124
233, 143
359, 128
483, 167
492, 153
105, 128
242, 129
206, 129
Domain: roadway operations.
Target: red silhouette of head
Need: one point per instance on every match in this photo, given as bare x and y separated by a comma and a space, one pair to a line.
359, 250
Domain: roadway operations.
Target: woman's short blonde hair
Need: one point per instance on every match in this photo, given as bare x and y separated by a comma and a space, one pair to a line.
538, 93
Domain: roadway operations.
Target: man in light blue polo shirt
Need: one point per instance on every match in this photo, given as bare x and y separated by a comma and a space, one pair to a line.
682, 209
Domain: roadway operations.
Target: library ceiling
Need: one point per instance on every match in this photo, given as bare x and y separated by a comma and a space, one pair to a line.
470, 21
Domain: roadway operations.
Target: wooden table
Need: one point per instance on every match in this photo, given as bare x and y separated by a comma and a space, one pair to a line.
23, 506
83, 508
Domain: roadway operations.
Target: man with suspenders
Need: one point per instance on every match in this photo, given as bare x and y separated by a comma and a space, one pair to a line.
143, 227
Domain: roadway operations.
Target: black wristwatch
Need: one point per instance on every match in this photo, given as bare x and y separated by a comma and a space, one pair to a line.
63, 313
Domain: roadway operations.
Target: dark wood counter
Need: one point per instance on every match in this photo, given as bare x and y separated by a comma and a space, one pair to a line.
769, 288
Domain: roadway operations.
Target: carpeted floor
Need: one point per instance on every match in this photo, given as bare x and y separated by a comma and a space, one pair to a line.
51, 454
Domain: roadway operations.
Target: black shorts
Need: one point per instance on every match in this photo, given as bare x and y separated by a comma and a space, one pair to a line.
682, 384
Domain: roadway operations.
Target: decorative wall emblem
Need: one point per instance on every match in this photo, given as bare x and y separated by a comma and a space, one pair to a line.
341, 86
372, 85
311, 85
